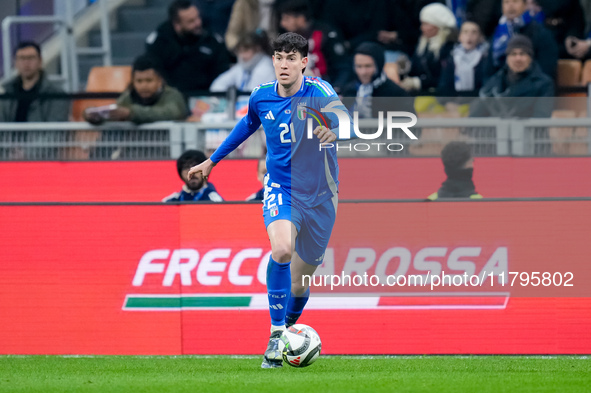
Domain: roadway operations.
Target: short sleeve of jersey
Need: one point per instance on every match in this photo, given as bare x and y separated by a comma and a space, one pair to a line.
324, 95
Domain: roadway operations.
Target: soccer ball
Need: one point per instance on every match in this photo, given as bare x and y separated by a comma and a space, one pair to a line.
301, 345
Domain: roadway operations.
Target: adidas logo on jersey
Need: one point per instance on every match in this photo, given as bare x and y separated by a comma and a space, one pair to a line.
269, 116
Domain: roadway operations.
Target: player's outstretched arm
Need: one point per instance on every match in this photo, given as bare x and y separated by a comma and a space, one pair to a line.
204, 168
325, 135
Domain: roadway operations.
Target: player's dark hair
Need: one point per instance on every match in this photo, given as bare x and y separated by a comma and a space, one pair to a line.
455, 154
188, 159
144, 63
296, 8
28, 44
176, 7
291, 42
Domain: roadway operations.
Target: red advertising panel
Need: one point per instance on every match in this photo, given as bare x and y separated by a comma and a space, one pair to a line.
182, 279
366, 178
64, 272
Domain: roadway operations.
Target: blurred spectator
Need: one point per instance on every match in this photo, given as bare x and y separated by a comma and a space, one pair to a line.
463, 70
327, 57
261, 172
517, 20
411, 10
28, 85
458, 7
372, 82
459, 168
317, 8
578, 48
197, 189
357, 20
519, 89
254, 65
535, 11
586, 7
147, 100
485, 13
562, 18
249, 16
398, 36
215, 15
190, 58
436, 42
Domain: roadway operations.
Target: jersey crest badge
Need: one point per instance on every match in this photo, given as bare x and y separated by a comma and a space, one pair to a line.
302, 111
274, 211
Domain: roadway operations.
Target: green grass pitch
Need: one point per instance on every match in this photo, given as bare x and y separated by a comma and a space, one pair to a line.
328, 374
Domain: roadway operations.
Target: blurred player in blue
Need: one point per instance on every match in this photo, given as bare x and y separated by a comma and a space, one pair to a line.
300, 201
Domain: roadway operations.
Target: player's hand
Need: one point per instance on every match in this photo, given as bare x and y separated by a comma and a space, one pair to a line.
204, 169
325, 135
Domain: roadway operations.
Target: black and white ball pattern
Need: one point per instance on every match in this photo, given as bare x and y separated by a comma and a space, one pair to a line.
301, 345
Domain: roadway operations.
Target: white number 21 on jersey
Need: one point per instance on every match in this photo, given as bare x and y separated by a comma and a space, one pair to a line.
287, 130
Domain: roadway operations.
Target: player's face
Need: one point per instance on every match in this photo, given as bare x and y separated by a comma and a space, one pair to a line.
365, 68
514, 8
146, 83
196, 181
289, 67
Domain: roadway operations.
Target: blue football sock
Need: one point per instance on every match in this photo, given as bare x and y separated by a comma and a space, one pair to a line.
295, 306
278, 290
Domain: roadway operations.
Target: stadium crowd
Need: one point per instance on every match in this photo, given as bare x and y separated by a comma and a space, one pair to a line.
448, 52
444, 48
428, 44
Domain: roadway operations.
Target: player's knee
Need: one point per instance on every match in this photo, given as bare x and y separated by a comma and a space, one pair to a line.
282, 254
297, 286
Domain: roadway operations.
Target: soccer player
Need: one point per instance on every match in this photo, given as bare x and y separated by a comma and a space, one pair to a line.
300, 202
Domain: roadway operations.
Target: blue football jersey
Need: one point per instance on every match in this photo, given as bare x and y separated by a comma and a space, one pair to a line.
295, 160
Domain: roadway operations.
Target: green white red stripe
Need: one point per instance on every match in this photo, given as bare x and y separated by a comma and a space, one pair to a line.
409, 301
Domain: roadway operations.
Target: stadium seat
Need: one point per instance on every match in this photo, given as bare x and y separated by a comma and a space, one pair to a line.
100, 80
586, 74
109, 79
569, 72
